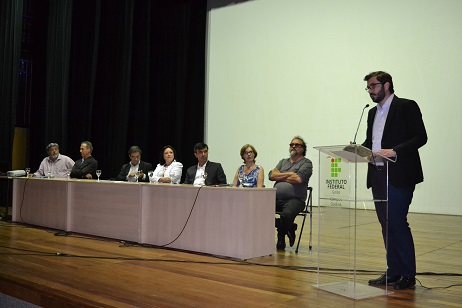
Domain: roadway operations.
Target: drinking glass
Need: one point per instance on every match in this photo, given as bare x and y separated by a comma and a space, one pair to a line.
151, 175
49, 174
98, 173
241, 179
68, 173
137, 175
172, 174
27, 171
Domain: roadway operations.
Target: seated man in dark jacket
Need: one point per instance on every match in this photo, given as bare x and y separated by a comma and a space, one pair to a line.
205, 172
136, 170
85, 168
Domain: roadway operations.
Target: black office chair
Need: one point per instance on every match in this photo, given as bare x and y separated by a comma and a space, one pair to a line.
307, 211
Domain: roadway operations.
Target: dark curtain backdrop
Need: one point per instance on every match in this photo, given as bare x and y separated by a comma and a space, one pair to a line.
10, 46
117, 73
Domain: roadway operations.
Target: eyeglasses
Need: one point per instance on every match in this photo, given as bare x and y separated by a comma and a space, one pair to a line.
136, 157
248, 152
372, 86
295, 145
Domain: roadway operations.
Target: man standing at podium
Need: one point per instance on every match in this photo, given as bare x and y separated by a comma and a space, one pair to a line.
395, 130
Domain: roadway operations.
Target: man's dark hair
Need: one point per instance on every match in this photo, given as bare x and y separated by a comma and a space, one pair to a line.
382, 77
53, 144
200, 146
134, 149
88, 144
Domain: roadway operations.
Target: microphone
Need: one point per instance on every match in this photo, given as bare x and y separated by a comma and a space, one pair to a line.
354, 140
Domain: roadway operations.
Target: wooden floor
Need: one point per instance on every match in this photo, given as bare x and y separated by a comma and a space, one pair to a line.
48, 270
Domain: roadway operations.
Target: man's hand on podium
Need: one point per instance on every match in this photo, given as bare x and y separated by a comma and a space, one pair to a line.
386, 153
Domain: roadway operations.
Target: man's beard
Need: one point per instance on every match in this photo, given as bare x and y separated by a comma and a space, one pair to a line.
379, 96
54, 157
293, 153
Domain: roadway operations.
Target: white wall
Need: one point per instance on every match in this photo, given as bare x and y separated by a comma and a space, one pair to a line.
279, 68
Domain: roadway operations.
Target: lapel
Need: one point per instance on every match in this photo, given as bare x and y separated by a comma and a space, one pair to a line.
370, 122
127, 169
208, 166
193, 174
391, 112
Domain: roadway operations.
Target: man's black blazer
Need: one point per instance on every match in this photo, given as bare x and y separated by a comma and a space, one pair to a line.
405, 133
215, 174
82, 168
144, 166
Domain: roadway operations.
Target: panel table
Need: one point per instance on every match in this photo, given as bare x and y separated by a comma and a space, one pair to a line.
224, 221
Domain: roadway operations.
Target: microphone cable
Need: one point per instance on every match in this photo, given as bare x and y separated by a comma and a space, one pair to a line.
187, 220
22, 200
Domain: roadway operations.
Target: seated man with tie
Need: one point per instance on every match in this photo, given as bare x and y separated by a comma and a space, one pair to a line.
136, 170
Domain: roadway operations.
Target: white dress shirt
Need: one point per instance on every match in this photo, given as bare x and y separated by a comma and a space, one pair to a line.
133, 169
379, 124
199, 179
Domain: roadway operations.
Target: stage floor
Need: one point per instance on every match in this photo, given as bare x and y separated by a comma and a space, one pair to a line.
48, 269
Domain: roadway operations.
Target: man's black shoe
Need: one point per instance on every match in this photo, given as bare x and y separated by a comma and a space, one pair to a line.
404, 283
382, 280
281, 245
291, 234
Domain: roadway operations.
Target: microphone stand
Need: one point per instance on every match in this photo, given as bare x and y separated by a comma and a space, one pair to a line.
362, 113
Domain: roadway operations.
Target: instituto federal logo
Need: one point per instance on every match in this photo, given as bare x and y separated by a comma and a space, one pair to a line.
335, 173
334, 168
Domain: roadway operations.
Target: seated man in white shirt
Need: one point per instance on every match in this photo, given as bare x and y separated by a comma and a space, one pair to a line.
55, 164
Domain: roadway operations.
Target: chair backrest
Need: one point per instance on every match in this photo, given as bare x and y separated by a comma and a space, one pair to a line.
309, 202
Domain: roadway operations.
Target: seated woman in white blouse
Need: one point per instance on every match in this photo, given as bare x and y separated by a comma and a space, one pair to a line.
168, 170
